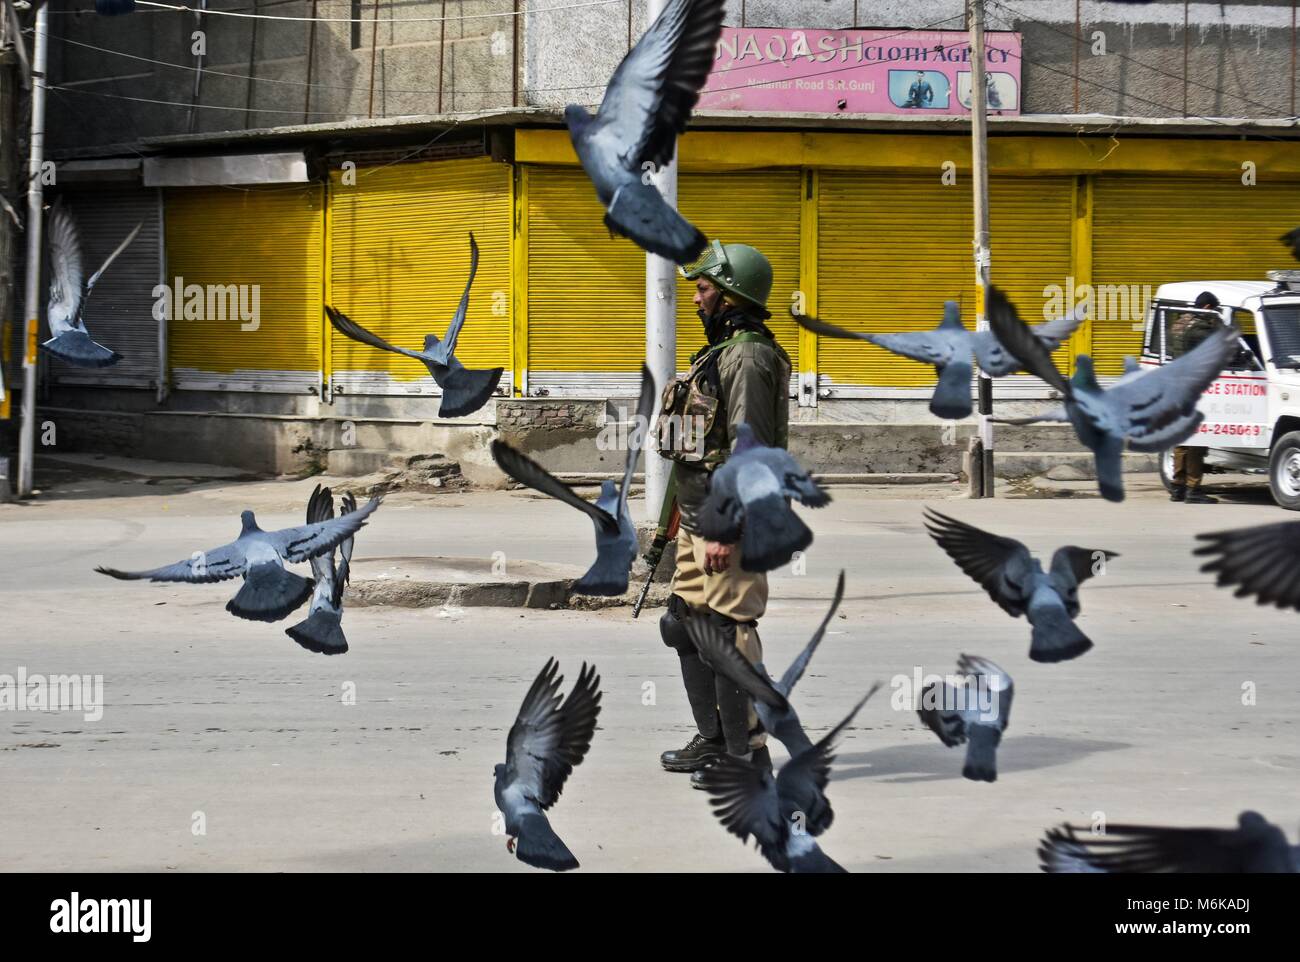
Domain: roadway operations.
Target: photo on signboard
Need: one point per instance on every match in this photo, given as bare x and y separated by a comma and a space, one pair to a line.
1003, 91
919, 89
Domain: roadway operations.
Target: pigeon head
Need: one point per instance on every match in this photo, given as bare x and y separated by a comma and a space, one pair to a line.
608, 490
577, 117
1083, 373
248, 522
744, 439
951, 315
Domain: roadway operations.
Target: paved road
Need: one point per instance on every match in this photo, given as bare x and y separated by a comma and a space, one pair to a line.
208, 714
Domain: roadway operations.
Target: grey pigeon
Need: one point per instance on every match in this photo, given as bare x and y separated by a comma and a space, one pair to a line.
322, 630
960, 716
1016, 581
269, 592
647, 103
1153, 412
463, 391
949, 348
545, 742
69, 292
615, 534
771, 699
1263, 561
748, 502
784, 813
1254, 846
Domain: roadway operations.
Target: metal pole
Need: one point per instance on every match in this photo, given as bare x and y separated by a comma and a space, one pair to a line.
32, 299
979, 133
660, 319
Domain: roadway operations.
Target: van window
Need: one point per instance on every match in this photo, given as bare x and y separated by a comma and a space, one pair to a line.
1283, 324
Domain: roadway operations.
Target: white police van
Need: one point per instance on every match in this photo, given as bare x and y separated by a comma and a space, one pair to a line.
1252, 411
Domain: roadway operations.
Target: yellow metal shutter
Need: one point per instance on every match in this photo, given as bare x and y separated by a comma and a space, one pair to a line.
892, 247
586, 291
269, 240
758, 208
399, 259
1149, 231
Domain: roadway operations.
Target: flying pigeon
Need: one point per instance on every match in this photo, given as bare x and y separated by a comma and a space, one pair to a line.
322, 631
463, 391
784, 813
69, 292
269, 592
748, 502
958, 715
1154, 411
949, 348
647, 104
615, 534
1015, 580
771, 699
1254, 846
1263, 561
545, 742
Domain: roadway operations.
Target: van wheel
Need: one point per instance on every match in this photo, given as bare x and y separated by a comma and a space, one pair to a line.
1284, 471
1167, 469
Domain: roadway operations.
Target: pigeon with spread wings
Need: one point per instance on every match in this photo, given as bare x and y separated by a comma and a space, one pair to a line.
615, 533
1255, 845
546, 741
69, 292
269, 592
647, 103
464, 391
975, 713
1152, 412
1016, 581
949, 348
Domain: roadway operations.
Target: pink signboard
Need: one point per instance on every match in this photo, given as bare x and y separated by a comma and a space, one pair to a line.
859, 71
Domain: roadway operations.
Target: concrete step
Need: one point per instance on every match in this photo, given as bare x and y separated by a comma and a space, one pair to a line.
354, 462
1063, 465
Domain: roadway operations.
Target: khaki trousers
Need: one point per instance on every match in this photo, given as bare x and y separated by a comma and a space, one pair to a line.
1189, 466
735, 593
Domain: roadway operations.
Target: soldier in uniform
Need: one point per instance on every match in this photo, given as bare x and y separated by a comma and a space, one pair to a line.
1188, 330
741, 376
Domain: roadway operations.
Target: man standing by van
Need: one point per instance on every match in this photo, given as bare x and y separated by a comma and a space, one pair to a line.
1188, 330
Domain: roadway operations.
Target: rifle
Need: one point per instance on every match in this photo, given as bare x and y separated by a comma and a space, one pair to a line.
670, 519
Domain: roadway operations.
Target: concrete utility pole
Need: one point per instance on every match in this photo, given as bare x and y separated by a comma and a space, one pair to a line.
660, 320
35, 221
979, 133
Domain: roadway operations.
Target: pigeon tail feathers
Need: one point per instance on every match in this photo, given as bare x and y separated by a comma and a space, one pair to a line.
269, 593
321, 632
771, 534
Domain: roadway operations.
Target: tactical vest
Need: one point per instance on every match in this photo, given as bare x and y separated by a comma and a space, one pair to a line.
688, 410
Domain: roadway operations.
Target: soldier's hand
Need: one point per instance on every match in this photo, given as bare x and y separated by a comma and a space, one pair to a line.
717, 557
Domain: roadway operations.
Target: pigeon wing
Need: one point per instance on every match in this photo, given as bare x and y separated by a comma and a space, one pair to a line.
112, 257
1148, 404
792, 674
650, 96
205, 567
320, 507
1263, 561
448, 344
1072, 566
550, 737
350, 328
304, 543
1255, 846
745, 801
992, 560
726, 659
1020, 341
66, 275
528, 472
641, 430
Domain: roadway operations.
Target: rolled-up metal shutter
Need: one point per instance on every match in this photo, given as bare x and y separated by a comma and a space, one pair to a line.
119, 313
1149, 231
892, 247
399, 259
241, 241
586, 290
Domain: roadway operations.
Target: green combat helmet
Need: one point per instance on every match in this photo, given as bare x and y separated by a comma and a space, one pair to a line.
738, 268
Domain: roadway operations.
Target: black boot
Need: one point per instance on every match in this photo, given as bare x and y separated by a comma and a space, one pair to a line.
1179, 492
699, 751
760, 758
1197, 496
